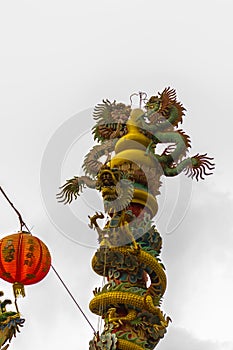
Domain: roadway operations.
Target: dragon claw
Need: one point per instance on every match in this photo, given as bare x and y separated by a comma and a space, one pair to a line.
168, 150
70, 190
93, 219
200, 166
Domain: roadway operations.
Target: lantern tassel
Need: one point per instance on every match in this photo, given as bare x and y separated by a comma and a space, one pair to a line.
18, 289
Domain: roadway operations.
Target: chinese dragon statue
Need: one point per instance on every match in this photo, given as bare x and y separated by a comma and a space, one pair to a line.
129, 243
10, 323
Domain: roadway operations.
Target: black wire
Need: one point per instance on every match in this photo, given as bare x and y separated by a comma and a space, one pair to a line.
12, 205
72, 297
22, 224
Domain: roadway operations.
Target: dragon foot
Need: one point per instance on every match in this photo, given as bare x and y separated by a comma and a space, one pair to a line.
200, 166
94, 218
72, 188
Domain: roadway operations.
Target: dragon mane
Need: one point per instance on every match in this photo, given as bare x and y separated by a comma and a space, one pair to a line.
168, 99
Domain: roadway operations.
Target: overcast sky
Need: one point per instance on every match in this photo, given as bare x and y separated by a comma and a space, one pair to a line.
60, 58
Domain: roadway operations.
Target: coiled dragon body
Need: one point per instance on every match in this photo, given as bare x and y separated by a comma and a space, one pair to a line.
129, 244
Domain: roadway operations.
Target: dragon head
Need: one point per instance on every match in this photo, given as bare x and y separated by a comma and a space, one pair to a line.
117, 192
153, 104
107, 180
153, 108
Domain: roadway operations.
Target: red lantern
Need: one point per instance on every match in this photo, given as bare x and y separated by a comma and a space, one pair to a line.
24, 260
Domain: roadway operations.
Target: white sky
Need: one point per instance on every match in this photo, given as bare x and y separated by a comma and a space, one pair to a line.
58, 58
